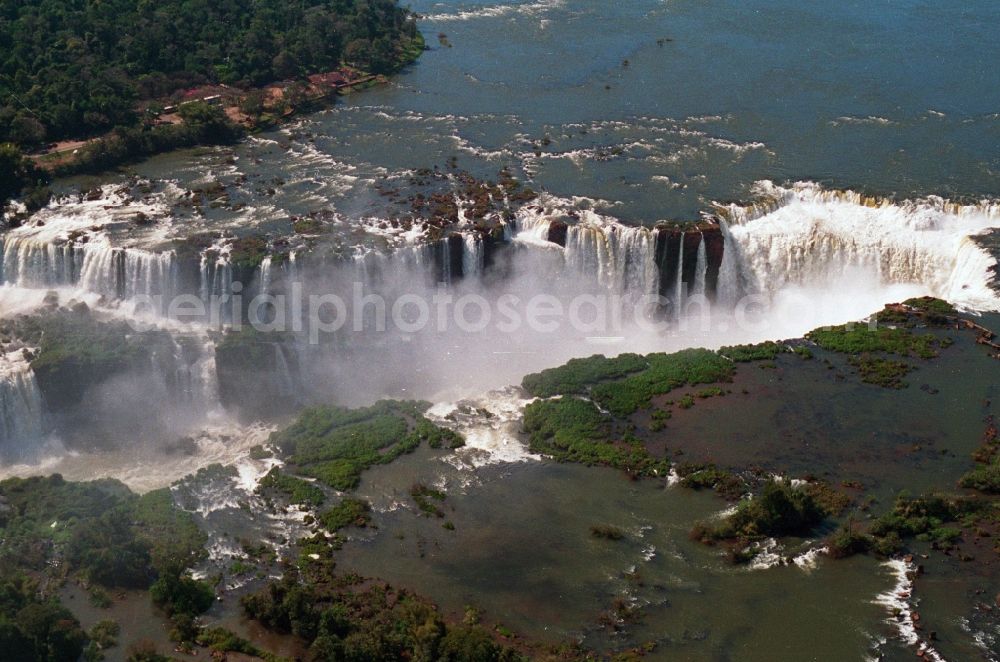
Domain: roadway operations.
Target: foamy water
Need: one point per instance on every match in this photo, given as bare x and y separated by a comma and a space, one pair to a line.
806, 236
898, 602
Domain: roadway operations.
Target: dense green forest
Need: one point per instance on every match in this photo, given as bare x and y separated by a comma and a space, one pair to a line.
72, 68
79, 68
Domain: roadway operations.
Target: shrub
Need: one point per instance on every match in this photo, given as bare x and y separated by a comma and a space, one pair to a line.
176, 593
335, 444
105, 633
984, 478
349, 512
607, 532
881, 372
709, 476
296, 490
570, 429
577, 375
860, 338
780, 510
765, 351
665, 373
425, 497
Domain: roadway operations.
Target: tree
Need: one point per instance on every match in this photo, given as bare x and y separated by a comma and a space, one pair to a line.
252, 104
19, 174
27, 130
176, 593
107, 551
468, 644
285, 65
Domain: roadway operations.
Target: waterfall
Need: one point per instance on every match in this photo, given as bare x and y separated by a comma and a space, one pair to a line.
293, 267
208, 374
729, 290
679, 292
216, 280
283, 374
265, 275
445, 272
20, 401
36, 258
472, 254
701, 268
189, 371
809, 237
618, 257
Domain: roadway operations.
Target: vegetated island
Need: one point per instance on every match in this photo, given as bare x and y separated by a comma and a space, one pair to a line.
98, 84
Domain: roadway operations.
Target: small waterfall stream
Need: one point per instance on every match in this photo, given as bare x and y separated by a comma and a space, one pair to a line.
20, 401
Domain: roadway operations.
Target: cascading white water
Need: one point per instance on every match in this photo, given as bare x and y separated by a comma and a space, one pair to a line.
472, 255
679, 287
806, 236
622, 258
20, 400
191, 375
265, 275
34, 258
619, 257
286, 382
216, 282
445, 262
68, 244
728, 290
701, 268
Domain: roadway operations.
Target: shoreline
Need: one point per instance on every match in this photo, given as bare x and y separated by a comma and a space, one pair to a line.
281, 102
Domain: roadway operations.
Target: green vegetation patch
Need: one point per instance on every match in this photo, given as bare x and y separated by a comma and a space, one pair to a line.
986, 476
357, 619
931, 305
708, 476
296, 490
886, 373
33, 627
571, 429
349, 512
427, 499
765, 351
665, 373
627, 383
864, 344
779, 510
74, 69
335, 444
922, 518
247, 253
220, 640
859, 338
105, 534
578, 375
19, 176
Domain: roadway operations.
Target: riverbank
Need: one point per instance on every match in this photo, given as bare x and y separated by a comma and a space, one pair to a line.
243, 111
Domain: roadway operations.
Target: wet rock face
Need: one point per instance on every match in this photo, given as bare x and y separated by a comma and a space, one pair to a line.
448, 258
557, 232
677, 256
668, 246
257, 375
715, 248
691, 242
